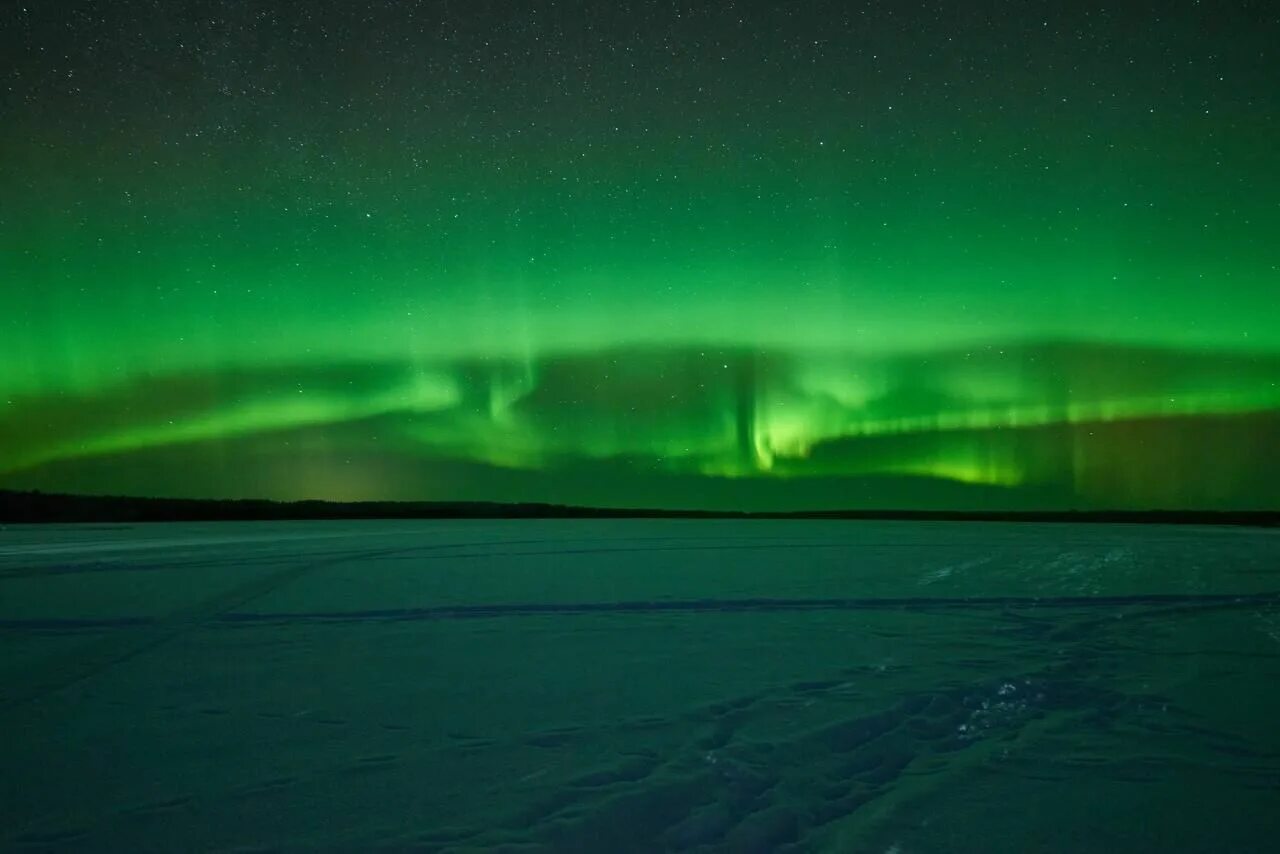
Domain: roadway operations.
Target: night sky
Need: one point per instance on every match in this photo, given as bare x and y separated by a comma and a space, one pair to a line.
737, 255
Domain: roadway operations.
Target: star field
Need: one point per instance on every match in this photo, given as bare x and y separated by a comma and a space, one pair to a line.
681, 254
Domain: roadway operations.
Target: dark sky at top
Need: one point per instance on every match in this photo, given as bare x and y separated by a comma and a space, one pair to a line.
724, 254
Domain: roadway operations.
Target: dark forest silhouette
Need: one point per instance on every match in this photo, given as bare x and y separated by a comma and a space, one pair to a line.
35, 506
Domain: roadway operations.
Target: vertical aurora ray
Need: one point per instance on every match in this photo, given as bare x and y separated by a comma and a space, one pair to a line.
1028, 254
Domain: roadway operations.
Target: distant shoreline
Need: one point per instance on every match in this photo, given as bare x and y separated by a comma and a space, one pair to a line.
40, 507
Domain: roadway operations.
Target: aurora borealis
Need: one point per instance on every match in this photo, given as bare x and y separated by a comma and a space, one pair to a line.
740, 255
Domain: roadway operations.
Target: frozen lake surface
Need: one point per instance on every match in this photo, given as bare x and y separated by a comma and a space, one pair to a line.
640, 685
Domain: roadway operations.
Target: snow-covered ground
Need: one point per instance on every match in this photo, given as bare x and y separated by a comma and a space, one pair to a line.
639, 685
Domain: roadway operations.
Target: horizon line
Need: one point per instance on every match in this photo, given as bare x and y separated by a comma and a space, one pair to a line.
38, 506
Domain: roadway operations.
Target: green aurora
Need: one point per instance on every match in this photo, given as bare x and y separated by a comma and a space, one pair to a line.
238, 258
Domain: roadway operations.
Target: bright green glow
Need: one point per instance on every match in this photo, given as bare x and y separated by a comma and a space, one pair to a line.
1072, 299
278, 410
971, 417
717, 372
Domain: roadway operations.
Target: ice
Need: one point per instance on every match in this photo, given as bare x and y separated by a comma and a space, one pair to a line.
639, 685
